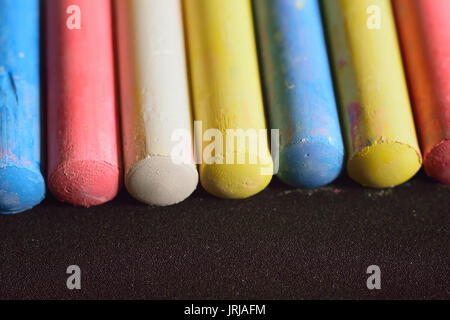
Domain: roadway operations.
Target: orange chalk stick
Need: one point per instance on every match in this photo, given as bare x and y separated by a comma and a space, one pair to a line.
424, 28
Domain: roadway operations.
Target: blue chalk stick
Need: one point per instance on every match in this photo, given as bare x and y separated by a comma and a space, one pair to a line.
21, 183
299, 91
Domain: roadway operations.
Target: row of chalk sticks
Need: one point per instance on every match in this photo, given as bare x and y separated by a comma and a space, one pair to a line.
121, 76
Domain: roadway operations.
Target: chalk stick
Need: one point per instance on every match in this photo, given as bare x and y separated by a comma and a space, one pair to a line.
82, 116
227, 93
299, 90
155, 101
378, 121
21, 182
424, 29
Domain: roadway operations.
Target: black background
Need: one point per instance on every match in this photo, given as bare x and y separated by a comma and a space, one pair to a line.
281, 244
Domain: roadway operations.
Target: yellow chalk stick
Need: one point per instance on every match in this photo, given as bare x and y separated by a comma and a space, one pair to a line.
226, 92
378, 122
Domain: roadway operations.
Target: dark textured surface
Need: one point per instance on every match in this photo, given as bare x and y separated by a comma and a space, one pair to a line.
281, 244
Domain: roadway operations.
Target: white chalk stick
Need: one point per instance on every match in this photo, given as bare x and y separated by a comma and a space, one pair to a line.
155, 100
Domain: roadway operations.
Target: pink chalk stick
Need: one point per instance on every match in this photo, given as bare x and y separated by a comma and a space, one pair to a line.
84, 166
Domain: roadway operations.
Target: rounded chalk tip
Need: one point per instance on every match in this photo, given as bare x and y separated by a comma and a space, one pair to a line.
310, 163
437, 162
384, 164
20, 189
158, 180
85, 183
235, 181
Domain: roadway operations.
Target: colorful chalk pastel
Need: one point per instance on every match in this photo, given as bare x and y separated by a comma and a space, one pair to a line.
82, 115
21, 183
424, 29
227, 96
299, 91
378, 122
155, 101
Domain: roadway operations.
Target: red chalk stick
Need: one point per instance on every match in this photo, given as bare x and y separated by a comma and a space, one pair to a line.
82, 118
424, 27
